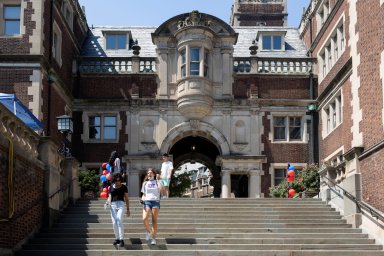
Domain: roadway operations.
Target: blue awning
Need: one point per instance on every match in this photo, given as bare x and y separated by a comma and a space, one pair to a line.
22, 112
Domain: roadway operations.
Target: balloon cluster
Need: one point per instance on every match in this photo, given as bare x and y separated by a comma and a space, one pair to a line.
105, 178
291, 178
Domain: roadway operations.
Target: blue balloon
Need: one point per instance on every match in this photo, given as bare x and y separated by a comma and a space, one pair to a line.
108, 167
291, 168
103, 178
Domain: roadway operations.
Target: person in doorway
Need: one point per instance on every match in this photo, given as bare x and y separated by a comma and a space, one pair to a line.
151, 190
166, 174
114, 162
119, 202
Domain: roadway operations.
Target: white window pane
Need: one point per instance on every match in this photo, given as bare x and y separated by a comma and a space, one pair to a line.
195, 54
277, 42
279, 133
294, 133
267, 42
109, 133
12, 12
12, 27
122, 41
111, 42
110, 121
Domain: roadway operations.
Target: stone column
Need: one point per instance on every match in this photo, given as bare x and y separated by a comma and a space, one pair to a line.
134, 185
227, 72
225, 183
254, 183
163, 72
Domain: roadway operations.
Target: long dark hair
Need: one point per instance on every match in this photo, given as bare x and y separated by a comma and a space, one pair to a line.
112, 158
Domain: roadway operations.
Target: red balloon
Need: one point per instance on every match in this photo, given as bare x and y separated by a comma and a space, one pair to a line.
291, 176
109, 177
291, 193
103, 195
108, 188
105, 172
105, 190
104, 166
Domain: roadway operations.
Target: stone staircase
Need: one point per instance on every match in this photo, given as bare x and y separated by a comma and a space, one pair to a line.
265, 227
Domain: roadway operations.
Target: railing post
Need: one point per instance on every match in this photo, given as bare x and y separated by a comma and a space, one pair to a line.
135, 64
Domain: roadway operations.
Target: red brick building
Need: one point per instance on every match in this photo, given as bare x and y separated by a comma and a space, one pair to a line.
238, 98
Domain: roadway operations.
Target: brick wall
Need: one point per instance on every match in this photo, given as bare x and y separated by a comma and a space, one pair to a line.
273, 87
94, 87
28, 193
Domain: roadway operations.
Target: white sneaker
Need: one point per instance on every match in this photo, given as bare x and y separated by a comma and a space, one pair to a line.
147, 236
153, 242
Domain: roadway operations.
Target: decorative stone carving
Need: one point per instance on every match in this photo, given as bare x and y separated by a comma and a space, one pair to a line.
194, 124
194, 19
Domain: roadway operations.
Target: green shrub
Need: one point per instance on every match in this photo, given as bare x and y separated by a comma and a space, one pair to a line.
307, 180
89, 181
180, 184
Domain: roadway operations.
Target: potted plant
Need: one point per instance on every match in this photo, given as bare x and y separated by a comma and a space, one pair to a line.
89, 183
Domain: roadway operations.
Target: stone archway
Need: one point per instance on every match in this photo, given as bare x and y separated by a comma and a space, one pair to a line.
200, 142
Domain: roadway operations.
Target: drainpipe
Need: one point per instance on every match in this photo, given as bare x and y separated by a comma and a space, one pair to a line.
49, 70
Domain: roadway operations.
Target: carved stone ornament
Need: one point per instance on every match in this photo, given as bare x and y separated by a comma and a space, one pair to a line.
194, 19
194, 124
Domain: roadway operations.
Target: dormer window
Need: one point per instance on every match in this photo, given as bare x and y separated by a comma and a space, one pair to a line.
271, 41
117, 40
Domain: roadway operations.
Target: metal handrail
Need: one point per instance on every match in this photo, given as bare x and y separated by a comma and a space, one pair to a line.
360, 204
62, 188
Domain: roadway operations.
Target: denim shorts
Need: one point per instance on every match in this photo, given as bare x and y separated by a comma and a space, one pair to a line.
151, 204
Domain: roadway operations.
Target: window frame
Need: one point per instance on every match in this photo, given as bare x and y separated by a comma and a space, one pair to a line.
117, 34
57, 44
287, 128
18, 3
332, 114
102, 115
273, 34
185, 61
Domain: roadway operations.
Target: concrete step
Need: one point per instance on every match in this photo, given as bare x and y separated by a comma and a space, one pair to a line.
162, 252
269, 216
188, 240
198, 225
109, 234
265, 227
181, 229
206, 221
107, 245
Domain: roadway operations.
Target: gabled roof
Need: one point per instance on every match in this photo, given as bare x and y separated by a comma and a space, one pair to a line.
22, 112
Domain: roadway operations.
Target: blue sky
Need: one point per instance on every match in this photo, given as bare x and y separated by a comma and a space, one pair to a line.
155, 12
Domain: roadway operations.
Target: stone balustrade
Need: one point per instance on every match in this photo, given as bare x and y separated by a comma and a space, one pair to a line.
116, 65
272, 66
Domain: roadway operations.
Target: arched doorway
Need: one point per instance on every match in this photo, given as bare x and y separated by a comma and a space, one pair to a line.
198, 149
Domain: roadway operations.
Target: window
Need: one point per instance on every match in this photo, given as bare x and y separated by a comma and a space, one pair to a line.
332, 50
332, 114
194, 61
102, 127
295, 128
279, 128
11, 20
116, 41
272, 42
287, 128
66, 9
56, 43
183, 64
280, 176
